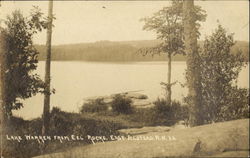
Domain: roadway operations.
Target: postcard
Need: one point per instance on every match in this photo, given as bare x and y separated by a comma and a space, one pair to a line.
130, 79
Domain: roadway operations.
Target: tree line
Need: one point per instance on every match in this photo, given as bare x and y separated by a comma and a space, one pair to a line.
126, 51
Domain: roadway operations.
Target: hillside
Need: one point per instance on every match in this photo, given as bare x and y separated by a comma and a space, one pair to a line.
124, 51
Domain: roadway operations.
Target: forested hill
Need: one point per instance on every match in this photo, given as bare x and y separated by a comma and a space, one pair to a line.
107, 51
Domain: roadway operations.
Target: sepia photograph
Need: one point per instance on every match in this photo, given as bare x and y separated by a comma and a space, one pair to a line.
124, 79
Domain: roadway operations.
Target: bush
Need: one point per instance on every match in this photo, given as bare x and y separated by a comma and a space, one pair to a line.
65, 123
23, 149
61, 124
97, 105
121, 104
221, 99
143, 97
165, 114
237, 105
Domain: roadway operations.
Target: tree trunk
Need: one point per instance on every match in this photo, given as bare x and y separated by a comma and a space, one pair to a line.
193, 66
169, 91
46, 108
2, 102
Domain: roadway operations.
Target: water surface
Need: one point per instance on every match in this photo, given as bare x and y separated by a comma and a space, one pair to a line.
75, 81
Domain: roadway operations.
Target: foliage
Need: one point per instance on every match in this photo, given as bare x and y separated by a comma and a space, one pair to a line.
62, 124
25, 148
168, 25
21, 58
237, 106
121, 105
97, 105
165, 114
222, 99
143, 97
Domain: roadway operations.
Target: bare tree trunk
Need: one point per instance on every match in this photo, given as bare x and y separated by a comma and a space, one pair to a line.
2, 93
193, 67
169, 91
46, 108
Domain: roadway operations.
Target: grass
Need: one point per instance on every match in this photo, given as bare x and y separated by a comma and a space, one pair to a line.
61, 124
138, 118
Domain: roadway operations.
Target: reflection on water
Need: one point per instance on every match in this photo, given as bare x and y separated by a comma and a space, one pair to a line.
75, 81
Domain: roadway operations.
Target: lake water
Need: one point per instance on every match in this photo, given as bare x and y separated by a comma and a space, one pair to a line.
75, 81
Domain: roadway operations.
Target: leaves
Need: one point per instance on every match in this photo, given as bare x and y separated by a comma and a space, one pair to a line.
167, 23
220, 69
21, 58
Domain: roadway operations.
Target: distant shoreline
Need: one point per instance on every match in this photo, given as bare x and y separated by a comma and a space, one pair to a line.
126, 51
117, 62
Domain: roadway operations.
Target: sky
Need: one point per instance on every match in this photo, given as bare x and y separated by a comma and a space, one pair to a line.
90, 21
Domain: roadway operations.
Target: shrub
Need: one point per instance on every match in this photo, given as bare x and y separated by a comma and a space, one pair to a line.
97, 105
237, 105
61, 124
221, 98
165, 114
143, 97
121, 104
25, 148
65, 123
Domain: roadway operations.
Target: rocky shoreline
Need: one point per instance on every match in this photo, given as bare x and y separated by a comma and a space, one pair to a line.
139, 100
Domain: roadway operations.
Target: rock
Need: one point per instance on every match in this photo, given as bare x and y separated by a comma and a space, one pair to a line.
144, 130
138, 100
134, 95
180, 125
141, 102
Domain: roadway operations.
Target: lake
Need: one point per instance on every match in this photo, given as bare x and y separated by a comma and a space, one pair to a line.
76, 81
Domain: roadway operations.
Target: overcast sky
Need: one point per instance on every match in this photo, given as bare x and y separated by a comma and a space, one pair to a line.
90, 21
